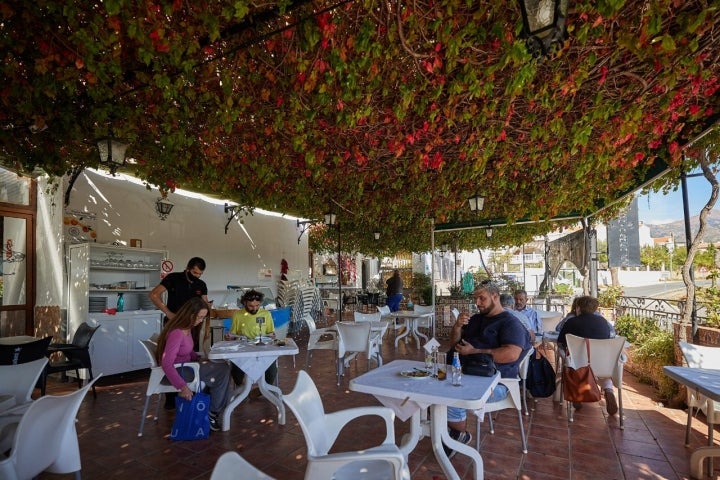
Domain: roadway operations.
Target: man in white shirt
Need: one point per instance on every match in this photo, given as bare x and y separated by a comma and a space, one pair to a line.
508, 303
534, 319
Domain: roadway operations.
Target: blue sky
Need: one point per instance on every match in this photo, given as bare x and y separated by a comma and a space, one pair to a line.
659, 208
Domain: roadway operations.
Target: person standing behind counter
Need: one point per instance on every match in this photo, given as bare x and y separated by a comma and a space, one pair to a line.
181, 287
244, 322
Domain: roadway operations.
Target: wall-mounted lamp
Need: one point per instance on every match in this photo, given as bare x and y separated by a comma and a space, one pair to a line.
488, 232
232, 211
112, 151
544, 25
377, 235
476, 203
163, 206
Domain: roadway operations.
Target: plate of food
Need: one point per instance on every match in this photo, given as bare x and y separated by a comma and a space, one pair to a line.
416, 374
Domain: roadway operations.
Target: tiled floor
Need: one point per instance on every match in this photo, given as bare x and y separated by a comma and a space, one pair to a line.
593, 447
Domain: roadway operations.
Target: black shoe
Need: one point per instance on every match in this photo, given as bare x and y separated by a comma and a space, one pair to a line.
577, 405
611, 402
170, 401
214, 422
462, 437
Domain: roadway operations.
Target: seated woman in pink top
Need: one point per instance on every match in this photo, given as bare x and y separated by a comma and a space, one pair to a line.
175, 345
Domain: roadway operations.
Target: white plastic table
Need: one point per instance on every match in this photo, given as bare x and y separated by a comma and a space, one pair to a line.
253, 360
707, 382
411, 324
410, 398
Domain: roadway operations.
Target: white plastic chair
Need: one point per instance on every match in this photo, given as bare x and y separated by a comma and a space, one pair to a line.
331, 302
319, 339
231, 466
322, 429
606, 359
375, 317
155, 386
384, 312
514, 400
19, 381
426, 322
355, 338
45, 439
699, 356
367, 317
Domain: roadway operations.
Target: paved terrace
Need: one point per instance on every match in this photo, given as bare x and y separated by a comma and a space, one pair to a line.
593, 447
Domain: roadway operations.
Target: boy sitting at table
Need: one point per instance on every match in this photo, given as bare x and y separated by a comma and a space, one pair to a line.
244, 322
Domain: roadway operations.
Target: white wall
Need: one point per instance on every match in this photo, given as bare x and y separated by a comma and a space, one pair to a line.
125, 209
49, 251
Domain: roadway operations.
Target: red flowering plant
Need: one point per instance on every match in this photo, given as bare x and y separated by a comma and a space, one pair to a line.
392, 113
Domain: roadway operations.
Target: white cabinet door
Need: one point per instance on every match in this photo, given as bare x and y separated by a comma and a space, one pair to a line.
109, 346
143, 327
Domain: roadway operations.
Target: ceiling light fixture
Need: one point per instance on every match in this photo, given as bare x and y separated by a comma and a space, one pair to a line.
112, 151
163, 206
476, 203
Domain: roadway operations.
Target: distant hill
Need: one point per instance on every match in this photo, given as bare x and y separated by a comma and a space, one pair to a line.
677, 228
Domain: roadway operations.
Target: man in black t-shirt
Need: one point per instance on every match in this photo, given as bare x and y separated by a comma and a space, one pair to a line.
181, 287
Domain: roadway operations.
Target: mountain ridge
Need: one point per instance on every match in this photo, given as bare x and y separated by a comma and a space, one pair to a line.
677, 228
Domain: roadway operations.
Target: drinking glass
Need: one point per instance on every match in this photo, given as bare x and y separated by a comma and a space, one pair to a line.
440, 362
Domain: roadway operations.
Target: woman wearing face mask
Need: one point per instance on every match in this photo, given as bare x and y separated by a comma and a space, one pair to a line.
175, 346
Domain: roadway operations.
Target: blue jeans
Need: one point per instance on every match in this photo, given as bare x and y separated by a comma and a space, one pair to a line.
457, 414
393, 301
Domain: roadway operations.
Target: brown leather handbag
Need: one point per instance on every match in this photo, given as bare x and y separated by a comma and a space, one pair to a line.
580, 384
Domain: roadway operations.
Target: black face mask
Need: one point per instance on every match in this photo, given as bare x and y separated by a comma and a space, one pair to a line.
191, 277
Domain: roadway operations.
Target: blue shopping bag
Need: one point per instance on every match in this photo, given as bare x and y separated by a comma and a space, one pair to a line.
192, 420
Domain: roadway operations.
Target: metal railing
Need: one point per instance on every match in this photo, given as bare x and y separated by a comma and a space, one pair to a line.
665, 312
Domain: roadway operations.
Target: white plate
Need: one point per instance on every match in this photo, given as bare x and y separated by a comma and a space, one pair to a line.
416, 374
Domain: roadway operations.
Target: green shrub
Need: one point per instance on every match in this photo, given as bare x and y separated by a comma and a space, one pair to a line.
609, 297
564, 289
421, 284
655, 352
652, 349
711, 297
635, 329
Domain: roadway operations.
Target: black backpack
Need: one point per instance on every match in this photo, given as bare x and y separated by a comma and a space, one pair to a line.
540, 379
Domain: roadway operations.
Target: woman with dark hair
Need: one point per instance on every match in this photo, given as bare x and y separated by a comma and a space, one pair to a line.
175, 345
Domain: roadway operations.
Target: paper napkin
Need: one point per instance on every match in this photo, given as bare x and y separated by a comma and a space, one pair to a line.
432, 343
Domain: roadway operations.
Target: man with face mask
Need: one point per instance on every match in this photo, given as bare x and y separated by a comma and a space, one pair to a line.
244, 322
181, 287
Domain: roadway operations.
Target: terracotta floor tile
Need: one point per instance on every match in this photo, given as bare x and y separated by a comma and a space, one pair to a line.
592, 447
